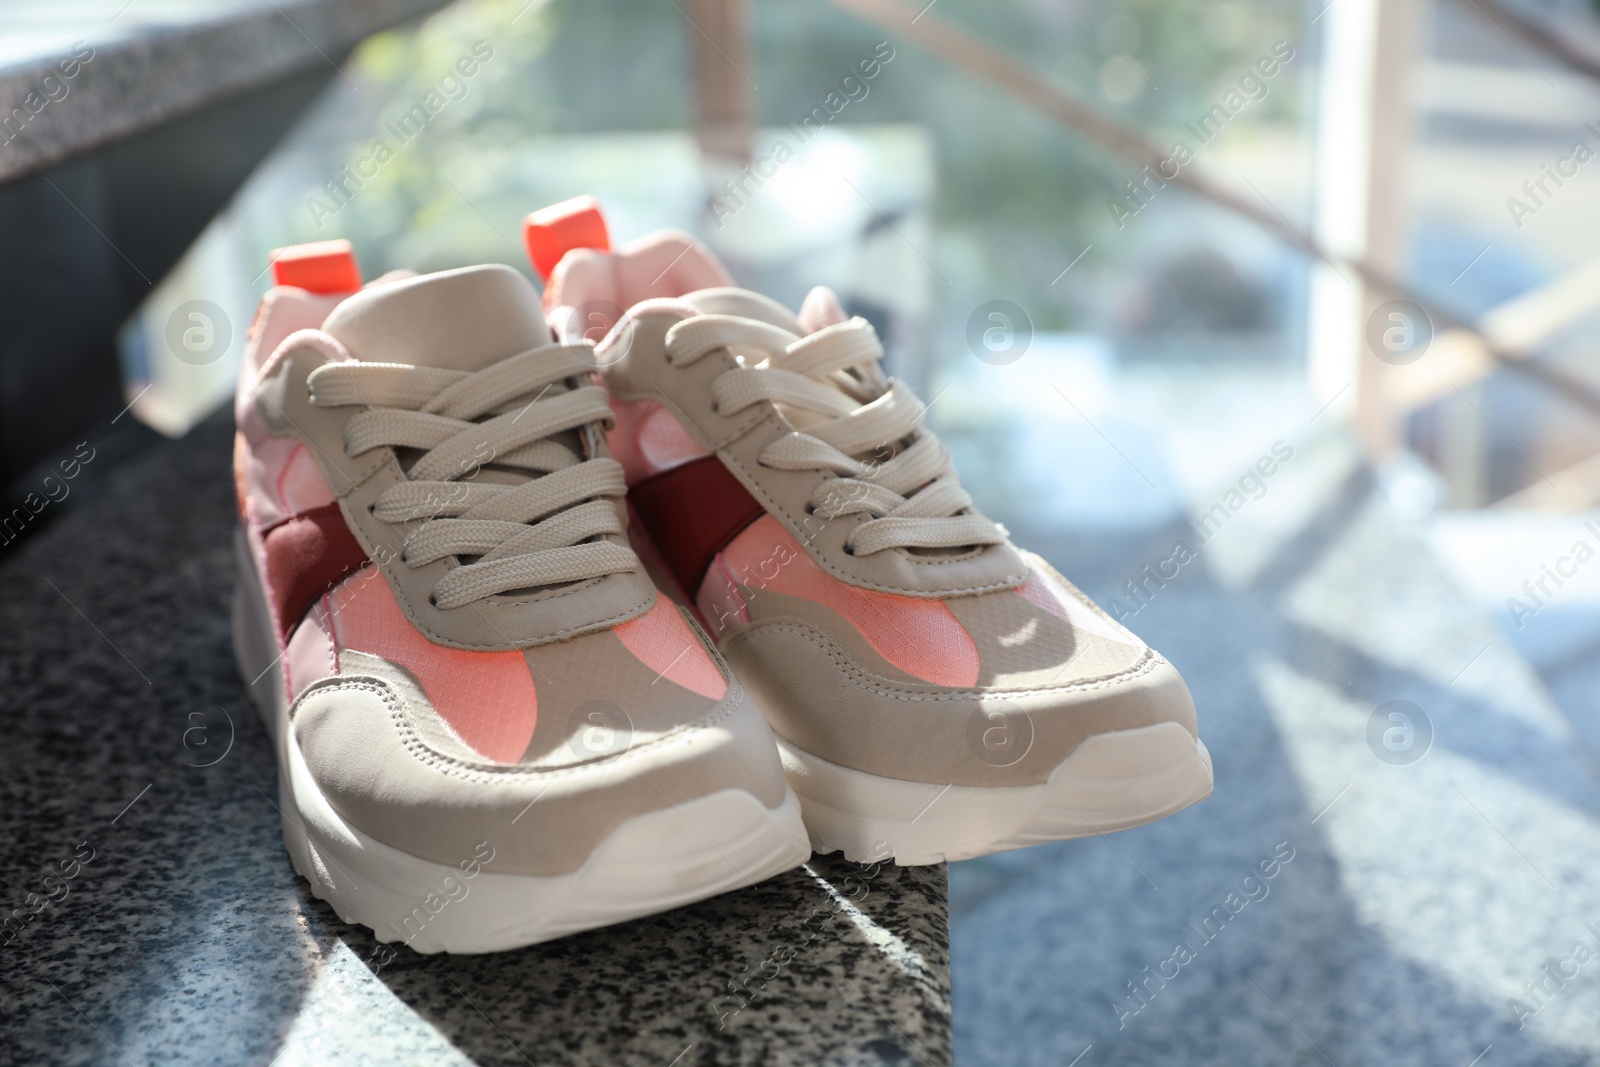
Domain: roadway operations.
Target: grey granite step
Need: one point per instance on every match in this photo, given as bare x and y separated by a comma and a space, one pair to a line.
78, 73
186, 938
1427, 884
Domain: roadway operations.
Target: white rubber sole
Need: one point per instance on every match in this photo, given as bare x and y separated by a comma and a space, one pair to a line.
1112, 781
648, 864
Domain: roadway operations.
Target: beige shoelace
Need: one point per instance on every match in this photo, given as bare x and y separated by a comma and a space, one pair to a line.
913, 497
545, 531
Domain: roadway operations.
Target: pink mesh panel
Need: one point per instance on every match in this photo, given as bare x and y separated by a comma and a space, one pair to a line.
310, 655
921, 637
648, 439
262, 465
661, 640
1038, 592
718, 601
1043, 592
486, 698
664, 443
301, 486
623, 438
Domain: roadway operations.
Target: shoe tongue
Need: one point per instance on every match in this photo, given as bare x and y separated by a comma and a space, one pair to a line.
464, 319
744, 303
821, 309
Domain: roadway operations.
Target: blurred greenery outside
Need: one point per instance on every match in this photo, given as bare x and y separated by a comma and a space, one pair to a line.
1016, 195
1168, 359
1177, 333
999, 199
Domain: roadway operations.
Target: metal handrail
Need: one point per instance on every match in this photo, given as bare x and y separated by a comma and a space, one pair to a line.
1583, 59
965, 52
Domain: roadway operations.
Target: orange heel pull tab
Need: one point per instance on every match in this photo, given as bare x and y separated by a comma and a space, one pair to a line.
552, 232
318, 267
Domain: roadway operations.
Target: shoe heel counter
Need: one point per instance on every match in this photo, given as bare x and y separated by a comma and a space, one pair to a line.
282, 311
260, 460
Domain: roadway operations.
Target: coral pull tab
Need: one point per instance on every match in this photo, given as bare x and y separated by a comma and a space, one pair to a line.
318, 267
552, 232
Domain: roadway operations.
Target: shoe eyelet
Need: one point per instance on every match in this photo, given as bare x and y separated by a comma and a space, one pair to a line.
849, 550
433, 601
716, 407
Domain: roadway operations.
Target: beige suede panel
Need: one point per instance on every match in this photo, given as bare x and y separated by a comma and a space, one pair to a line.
596, 674
644, 373
1020, 646
431, 730
828, 691
820, 698
284, 406
363, 741
575, 680
1023, 646
764, 606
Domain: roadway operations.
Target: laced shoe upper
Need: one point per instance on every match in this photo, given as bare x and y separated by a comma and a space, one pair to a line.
864, 429
465, 451
816, 524
438, 536
507, 418
808, 427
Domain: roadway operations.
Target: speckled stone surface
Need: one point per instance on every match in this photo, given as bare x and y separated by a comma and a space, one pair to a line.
186, 939
137, 63
1425, 896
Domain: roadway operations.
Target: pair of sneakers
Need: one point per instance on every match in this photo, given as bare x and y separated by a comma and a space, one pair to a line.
563, 614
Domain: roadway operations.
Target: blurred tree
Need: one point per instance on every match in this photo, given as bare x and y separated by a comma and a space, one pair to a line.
1017, 195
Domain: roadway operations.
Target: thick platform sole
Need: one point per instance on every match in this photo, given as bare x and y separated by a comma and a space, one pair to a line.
1112, 781
650, 863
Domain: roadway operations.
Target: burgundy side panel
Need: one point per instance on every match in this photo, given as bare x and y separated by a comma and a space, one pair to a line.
692, 512
306, 555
